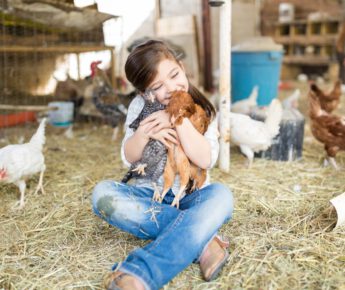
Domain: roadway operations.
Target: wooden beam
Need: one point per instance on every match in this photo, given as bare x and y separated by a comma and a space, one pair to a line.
28, 108
54, 49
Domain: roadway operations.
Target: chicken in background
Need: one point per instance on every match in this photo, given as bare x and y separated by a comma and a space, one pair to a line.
326, 128
291, 102
71, 90
105, 98
245, 106
182, 105
253, 136
328, 101
20, 161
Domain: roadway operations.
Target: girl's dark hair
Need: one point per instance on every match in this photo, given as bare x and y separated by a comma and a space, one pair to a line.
141, 69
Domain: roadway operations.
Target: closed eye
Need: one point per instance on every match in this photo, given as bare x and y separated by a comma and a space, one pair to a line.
157, 88
174, 75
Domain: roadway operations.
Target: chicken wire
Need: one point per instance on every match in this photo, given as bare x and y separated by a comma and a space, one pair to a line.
36, 53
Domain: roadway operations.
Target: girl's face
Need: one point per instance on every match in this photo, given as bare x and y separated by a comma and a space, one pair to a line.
170, 77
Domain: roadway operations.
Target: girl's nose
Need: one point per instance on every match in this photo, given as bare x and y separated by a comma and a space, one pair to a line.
170, 86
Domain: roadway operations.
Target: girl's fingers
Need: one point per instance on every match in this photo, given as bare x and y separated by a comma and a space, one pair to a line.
172, 136
147, 120
159, 127
150, 126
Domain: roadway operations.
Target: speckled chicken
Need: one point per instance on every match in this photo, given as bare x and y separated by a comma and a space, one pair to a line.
328, 101
182, 105
20, 161
153, 160
326, 128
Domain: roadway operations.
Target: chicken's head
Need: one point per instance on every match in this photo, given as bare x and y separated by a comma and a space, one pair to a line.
94, 66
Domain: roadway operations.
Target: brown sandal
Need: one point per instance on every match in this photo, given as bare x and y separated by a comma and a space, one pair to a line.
121, 281
211, 267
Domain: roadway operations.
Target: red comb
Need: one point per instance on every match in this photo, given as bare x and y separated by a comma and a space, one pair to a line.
93, 67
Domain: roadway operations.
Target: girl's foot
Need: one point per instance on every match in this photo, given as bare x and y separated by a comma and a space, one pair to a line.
214, 258
122, 281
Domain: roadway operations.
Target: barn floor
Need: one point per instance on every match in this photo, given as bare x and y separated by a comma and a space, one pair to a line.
56, 242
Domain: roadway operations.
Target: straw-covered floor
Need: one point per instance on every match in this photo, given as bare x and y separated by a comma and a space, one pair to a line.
56, 242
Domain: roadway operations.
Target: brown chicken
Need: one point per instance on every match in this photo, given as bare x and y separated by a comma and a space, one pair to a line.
326, 128
330, 101
181, 106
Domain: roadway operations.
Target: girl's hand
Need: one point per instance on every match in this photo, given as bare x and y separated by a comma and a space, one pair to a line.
157, 121
165, 135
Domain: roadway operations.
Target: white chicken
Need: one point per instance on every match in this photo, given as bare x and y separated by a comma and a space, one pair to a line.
245, 106
20, 161
252, 135
291, 102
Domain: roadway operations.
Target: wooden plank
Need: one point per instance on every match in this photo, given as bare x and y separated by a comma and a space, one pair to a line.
300, 39
27, 108
306, 60
54, 49
6, 39
177, 25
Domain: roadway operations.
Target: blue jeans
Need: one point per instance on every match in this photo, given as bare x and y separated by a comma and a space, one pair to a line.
178, 236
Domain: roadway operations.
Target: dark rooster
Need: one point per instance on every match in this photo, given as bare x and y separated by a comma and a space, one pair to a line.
153, 160
328, 101
326, 128
105, 98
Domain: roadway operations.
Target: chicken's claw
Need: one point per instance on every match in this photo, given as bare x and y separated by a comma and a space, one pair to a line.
156, 195
18, 205
140, 169
176, 202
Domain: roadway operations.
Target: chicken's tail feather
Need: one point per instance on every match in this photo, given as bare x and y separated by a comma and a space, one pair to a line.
38, 139
336, 91
127, 177
314, 105
254, 95
274, 116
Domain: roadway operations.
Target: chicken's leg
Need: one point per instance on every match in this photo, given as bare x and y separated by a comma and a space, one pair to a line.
184, 170
333, 163
20, 203
168, 177
249, 153
40, 183
115, 133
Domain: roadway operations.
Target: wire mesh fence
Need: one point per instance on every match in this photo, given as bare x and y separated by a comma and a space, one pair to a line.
46, 48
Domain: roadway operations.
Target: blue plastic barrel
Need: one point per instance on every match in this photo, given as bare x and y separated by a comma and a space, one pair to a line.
255, 68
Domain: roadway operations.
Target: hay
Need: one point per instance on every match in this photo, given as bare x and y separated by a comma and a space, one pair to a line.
57, 243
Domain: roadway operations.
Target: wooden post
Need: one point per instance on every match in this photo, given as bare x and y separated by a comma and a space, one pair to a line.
113, 67
225, 84
158, 12
78, 65
207, 43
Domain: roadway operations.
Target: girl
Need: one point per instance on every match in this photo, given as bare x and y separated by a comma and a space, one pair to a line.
178, 236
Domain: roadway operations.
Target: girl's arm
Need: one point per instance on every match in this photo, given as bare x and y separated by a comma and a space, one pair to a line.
157, 126
196, 146
134, 146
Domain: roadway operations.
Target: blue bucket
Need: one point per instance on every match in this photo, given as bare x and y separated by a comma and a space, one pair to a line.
255, 68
